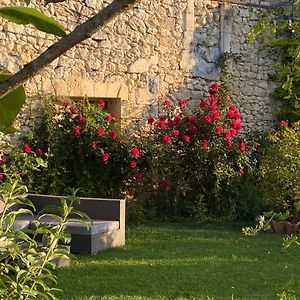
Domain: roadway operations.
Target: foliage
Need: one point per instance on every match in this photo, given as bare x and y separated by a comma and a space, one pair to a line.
25, 264
280, 169
188, 161
280, 29
87, 151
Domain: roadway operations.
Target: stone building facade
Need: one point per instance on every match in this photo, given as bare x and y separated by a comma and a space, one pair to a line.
157, 49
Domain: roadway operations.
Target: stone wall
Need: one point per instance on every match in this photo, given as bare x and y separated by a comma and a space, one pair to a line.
158, 49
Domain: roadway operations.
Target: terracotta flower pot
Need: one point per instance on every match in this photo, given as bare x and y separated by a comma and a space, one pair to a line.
292, 228
279, 226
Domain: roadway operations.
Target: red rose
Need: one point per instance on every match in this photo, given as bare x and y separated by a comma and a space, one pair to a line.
170, 123
232, 108
93, 145
193, 130
237, 115
213, 99
133, 164
177, 119
1, 176
204, 144
163, 118
138, 176
167, 103
215, 86
233, 132
227, 134
238, 126
167, 139
39, 152
231, 114
182, 102
150, 121
203, 105
242, 172
66, 104
219, 129
215, 115
207, 119
213, 107
229, 143
76, 130
100, 131
192, 121
175, 132
113, 134
135, 151
81, 120
27, 149
105, 156
165, 183
284, 123
242, 146
186, 138
74, 111
161, 124
109, 118
3, 159
101, 103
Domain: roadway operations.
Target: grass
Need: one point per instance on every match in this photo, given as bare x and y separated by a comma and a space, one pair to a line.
180, 261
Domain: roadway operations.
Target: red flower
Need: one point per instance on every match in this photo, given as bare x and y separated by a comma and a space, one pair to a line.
163, 118
231, 114
213, 107
204, 144
182, 102
186, 138
39, 152
207, 119
93, 145
284, 123
1, 176
238, 126
165, 183
100, 131
135, 151
175, 132
66, 104
161, 124
242, 146
237, 115
81, 120
219, 129
167, 139
192, 120
170, 123
233, 132
76, 130
215, 115
177, 119
113, 134
232, 108
101, 103
109, 118
74, 111
3, 159
138, 176
215, 86
105, 156
227, 134
213, 99
242, 172
167, 103
193, 130
203, 105
27, 149
229, 143
133, 164
150, 121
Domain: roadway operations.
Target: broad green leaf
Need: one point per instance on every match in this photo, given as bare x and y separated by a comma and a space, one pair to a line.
26, 15
10, 105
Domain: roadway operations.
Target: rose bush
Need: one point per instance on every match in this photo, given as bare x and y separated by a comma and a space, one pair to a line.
187, 162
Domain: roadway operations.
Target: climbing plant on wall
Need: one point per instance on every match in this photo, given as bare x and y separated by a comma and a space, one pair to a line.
280, 29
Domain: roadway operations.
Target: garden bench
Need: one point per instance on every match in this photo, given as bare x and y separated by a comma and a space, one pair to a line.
106, 230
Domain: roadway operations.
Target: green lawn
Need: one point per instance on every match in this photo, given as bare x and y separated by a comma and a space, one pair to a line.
179, 261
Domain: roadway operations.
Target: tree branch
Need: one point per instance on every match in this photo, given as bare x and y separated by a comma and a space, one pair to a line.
80, 33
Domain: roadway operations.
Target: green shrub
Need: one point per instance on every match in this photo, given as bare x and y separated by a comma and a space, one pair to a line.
280, 168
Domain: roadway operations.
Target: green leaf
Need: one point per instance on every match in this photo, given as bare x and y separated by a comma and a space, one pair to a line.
10, 105
26, 15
